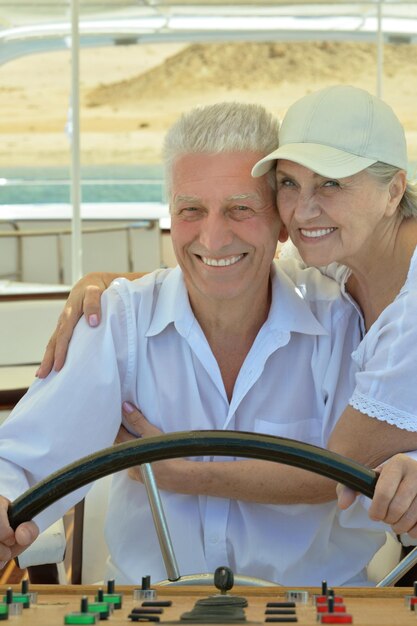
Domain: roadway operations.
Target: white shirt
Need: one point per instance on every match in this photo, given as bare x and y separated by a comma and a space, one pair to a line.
150, 350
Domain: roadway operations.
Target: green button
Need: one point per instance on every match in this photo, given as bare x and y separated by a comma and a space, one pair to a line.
81, 618
23, 598
113, 598
102, 608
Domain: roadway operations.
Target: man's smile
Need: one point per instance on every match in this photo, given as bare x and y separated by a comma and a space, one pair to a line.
231, 260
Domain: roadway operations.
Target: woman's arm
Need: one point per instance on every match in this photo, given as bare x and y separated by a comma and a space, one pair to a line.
395, 499
368, 439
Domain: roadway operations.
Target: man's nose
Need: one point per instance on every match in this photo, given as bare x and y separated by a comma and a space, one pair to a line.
215, 232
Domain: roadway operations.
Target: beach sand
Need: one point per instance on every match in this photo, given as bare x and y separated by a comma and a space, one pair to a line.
130, 95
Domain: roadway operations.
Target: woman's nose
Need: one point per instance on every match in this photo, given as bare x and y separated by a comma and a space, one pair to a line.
307, 206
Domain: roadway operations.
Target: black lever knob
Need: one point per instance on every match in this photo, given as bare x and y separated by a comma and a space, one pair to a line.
223, 579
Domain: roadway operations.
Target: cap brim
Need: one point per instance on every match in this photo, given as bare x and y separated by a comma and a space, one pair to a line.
323, 160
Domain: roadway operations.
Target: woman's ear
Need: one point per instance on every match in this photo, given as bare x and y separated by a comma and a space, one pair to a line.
396, 191
283, 235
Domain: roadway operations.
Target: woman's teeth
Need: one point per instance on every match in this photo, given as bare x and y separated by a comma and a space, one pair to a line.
320, 232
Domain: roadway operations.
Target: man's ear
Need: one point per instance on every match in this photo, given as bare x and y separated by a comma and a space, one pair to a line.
283, 235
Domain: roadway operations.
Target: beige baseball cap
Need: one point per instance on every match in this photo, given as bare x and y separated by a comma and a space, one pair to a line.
337, 132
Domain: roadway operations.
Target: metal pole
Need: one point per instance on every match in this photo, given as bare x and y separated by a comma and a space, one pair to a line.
160, 523
76, 241
380, 52
399, 570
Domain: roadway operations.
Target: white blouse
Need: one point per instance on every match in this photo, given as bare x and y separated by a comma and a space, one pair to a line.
386, 358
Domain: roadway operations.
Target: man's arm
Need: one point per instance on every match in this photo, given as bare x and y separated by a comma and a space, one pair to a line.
394, 502
249, 480
84, 299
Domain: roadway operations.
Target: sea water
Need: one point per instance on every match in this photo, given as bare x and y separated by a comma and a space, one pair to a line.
110, 183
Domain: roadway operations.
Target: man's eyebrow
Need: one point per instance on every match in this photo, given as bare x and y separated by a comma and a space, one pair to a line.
234, 197
243, 196
182, 198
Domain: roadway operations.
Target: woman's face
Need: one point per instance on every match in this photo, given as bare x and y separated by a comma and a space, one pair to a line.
332, 219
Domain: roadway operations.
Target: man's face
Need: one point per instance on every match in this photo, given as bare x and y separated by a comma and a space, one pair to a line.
224, 224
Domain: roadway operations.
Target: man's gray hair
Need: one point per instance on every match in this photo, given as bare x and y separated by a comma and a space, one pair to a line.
384, 174
221, 127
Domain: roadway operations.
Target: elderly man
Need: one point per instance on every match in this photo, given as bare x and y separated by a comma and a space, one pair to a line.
226, 340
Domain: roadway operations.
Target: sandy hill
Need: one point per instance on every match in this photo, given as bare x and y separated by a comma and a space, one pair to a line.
248, 66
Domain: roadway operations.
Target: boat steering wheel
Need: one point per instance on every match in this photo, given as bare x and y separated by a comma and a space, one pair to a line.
191, 443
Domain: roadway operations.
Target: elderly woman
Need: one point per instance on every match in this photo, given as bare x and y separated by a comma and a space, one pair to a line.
344, 198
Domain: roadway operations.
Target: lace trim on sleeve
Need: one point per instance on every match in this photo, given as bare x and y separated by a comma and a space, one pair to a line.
383, 412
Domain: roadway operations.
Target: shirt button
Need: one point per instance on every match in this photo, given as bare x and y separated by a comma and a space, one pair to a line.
214, 538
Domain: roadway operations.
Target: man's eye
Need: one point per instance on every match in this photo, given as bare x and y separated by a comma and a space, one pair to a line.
331, 183
189, 211
241, 211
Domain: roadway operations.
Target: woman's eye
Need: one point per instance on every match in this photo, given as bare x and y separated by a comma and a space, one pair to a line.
285, 182
331, 183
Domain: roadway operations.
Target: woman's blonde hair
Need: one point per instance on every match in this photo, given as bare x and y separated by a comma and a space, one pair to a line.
385, 173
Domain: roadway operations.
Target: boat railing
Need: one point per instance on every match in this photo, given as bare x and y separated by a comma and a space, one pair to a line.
59, 233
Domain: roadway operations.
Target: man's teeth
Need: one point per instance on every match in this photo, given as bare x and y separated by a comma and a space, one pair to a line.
231, 260
316, 233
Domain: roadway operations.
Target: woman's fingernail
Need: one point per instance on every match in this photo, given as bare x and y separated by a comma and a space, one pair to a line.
3, 564
93, 320
127, 407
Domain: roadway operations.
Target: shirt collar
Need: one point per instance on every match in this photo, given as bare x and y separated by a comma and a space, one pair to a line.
289, 312
173, 306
